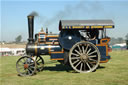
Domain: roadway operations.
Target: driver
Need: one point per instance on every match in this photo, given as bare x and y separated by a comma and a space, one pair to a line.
93, 34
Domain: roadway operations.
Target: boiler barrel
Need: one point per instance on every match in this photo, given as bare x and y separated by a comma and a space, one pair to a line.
40, 49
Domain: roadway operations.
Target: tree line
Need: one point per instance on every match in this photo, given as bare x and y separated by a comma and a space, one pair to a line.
118, 40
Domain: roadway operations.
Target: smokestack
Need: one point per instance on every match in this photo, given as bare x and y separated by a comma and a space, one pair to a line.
30, 28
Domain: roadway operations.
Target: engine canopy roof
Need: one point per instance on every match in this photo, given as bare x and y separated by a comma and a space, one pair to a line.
85, 24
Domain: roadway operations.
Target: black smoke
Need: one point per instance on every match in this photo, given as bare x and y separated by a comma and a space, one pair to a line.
33, 14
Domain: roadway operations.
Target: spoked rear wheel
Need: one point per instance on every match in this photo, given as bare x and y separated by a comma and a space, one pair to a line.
84, 57
26, 66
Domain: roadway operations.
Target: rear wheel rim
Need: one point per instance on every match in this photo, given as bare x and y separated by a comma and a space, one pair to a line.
84, 57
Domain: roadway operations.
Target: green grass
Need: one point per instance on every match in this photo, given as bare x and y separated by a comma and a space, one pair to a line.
115, 72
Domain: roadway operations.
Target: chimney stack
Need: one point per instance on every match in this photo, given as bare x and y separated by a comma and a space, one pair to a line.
30, 28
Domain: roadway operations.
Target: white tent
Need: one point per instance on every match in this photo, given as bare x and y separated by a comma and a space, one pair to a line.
5, 50
12, 51
18, 51
121, 45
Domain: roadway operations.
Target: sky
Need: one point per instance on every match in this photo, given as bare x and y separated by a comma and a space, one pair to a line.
14, 13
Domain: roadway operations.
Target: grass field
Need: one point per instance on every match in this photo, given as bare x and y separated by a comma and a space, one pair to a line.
115, 72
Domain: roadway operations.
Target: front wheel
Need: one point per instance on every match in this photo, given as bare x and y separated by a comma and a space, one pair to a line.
26, 66
84, 57
40, 63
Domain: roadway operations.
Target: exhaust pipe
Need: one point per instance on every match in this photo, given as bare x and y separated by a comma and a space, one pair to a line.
30, 29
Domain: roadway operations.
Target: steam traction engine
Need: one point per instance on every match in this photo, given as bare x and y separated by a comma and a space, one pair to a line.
78, 45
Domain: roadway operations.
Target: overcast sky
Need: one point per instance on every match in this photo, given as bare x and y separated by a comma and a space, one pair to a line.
14, 15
